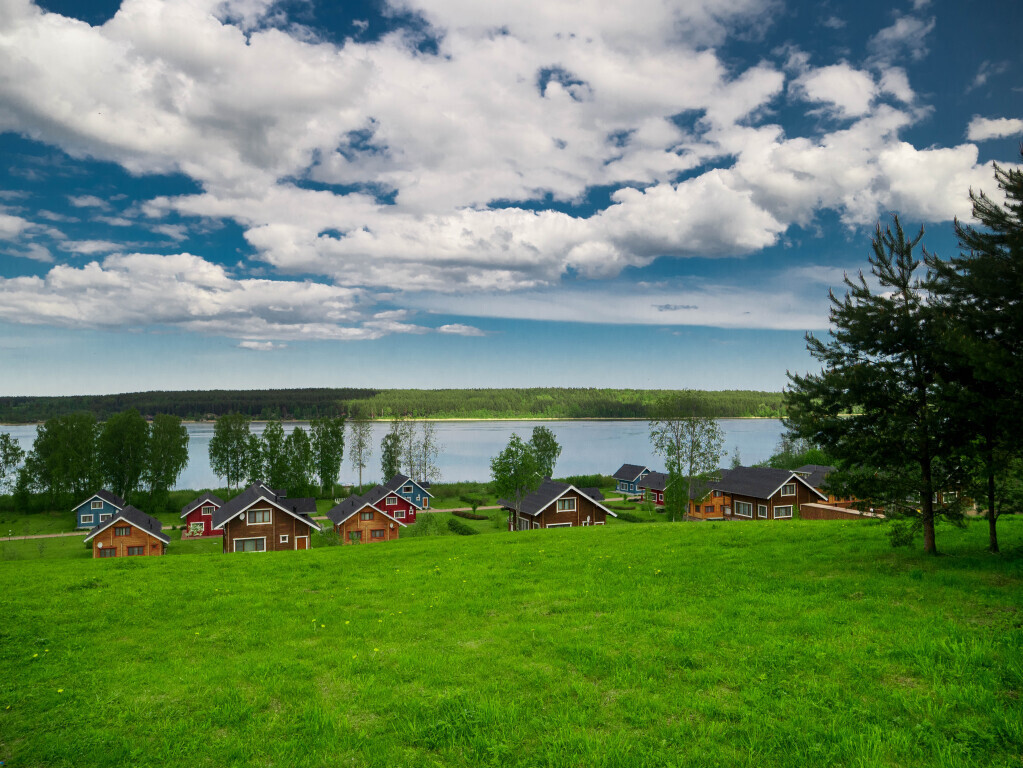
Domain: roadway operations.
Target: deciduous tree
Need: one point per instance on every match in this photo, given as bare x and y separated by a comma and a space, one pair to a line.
228, 447
167, 455
515, 472
546, 449
328, 445
124, 452
390, 453
11, 456
360, 434
275, 459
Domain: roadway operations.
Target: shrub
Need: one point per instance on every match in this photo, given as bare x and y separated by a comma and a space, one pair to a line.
630, 518
587, 481
457, 526
470, 515
425, 525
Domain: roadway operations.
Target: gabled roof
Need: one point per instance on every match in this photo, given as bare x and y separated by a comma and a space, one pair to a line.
593, 493
629, 472
299, 508
206, 497
655, 481
759, 482
107, 496
354, 504
534, 503
139, 519
814, 474
396, 482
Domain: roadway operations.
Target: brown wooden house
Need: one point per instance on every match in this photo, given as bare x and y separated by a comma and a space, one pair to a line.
260, 519
817, 475
557, 505
362, 519
129, 533
764, 493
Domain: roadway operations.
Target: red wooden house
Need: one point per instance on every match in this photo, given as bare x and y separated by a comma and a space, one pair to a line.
652, 486
198, 516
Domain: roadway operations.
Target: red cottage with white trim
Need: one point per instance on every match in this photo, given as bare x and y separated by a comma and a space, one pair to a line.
199, 512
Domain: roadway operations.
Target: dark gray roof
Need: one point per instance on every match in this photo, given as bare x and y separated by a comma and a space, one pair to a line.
301, 508
107, 496
655, 481
201, 500
396, 482
814, 474
139, 519
353, 504
629, 472
758, 482
537, 501
593, 493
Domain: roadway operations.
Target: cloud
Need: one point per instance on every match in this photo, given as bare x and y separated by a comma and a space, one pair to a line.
260, 346
11, 227
89, 247
847, 91
984, 128
906, 36
458, 329
87, 201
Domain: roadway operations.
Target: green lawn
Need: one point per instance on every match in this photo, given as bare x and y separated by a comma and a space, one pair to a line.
796, 644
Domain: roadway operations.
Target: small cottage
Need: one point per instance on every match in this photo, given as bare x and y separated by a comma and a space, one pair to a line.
129, 533
198, 515
98, 509
260, 519
652, 487
357, 520
557, 505
628, 477
763, 493
410, 490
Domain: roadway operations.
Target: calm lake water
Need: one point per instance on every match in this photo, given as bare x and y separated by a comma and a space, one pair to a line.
588, 447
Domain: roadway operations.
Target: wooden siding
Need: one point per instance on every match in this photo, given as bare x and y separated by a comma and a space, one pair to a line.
281, 524
135, 538
196, 516
803, 496
584, 508
718, 505
395, 510
366, 528
831, 512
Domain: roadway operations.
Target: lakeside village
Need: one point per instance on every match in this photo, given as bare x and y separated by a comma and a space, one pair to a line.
264, 519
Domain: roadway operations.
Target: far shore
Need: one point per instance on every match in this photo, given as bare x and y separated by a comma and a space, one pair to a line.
458, 418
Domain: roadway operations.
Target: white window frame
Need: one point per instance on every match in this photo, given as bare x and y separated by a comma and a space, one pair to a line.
90, 518
96, 504
783, 517
522, 524
536, 524
762, 511
786, 492
268, 521
207, 510
250, 538
399, 514
737, 505
566, 502
390, 501
104, 516
407, 489
559, 525
284, 539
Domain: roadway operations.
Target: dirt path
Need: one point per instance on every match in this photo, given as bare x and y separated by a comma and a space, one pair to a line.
44, 536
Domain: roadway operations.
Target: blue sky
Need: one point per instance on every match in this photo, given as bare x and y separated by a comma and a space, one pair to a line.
442, 193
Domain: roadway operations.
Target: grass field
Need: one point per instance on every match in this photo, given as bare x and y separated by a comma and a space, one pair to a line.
799, 644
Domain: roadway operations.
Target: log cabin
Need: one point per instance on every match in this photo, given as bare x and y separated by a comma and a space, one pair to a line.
359, 519
129, 533
261, 519
557, 505
199, 512
98, 509
763, 493
816, 475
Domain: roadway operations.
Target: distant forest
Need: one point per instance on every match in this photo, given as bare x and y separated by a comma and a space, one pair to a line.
301, 404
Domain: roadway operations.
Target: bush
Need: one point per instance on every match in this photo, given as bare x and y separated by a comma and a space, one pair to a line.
425, 525
587, 481
457, 526
470, 515
630, 518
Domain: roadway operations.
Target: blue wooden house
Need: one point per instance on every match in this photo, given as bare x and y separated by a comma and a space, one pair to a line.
628, 477
410, 490
98, 508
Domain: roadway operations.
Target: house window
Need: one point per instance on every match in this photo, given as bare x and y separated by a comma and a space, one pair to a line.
365, 515
762, 510
97, 504
207, 510
284, 538
407, 489
250, 545
782, 512
86, 519
136, 550
789, 489
717, 494
355, 536
536, 523
399, 514
523, 524
108, 552
566, 505
559, 525
104, 517
122, 530
708, 509
391, 501
743, 509
377, 533
259, 516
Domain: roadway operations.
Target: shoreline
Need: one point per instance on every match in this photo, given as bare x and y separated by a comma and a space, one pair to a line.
447, 419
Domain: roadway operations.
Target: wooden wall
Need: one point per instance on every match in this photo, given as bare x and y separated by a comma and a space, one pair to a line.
281, 524
136, 538
356, 523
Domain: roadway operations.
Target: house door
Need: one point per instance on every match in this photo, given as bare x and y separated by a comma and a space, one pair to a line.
301, 542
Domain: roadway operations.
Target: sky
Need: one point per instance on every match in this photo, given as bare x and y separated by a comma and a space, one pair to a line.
204, 194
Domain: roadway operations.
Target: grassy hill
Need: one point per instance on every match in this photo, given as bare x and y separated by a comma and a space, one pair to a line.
631, 645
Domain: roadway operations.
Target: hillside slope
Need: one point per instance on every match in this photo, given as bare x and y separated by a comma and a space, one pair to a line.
716, 644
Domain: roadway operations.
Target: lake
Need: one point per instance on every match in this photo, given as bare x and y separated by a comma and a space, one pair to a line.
588, 447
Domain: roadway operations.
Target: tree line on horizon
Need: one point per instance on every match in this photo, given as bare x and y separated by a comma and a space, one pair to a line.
308, 404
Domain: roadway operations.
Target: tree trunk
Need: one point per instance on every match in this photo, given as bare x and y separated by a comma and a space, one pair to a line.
927, 508
992, 517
